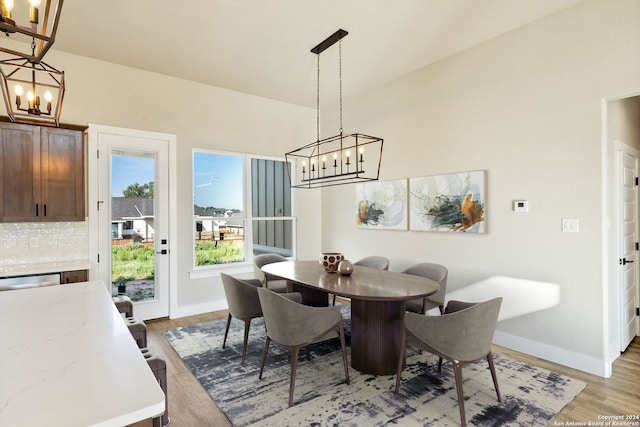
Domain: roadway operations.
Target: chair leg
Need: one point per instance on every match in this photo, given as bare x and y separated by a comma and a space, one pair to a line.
294, 366
247, 325
403, 349
439, 365
493, 375
344, 351
226, 331
334, 299
457, 370
267, 341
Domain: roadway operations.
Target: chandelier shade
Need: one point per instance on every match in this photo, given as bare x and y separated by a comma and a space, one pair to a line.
340, 159
32, 92
33, 23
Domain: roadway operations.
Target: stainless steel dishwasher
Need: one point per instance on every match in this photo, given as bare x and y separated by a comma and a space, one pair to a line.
25, 282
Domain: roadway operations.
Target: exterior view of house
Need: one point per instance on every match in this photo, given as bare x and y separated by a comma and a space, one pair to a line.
132, 218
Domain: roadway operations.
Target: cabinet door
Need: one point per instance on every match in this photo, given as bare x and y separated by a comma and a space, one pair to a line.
62, 174
73, 276
20, 173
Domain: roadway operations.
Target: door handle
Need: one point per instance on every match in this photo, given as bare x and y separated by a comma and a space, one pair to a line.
625, 261
162, 252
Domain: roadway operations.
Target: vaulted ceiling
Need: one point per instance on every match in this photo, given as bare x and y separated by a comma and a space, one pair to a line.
262, 47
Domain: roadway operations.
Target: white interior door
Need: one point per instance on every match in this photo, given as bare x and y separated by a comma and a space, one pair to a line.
133, 217
629, 249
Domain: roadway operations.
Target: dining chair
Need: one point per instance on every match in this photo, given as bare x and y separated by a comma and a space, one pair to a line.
296, 326
462, 335
268, 281
436, 272
244, 304
374, 261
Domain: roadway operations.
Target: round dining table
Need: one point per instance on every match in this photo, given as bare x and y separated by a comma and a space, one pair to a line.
377, 306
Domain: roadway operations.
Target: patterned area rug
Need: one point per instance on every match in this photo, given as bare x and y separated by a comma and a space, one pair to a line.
531, 396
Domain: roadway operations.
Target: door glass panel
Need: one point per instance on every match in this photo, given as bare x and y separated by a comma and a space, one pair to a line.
132, 224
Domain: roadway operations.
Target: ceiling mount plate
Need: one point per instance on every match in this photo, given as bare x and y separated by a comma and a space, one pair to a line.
329, 41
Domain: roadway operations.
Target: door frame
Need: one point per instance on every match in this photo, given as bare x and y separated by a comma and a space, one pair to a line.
92, 199
621, 148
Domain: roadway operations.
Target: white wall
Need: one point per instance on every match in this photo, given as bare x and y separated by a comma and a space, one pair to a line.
527, 108
201, 117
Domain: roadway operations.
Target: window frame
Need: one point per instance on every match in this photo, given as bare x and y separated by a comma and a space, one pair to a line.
248, 218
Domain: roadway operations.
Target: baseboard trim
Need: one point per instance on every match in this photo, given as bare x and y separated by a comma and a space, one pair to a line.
572, 359
194, 309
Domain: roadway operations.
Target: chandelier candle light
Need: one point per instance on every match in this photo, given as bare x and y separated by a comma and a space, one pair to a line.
39, 80
32, 90
37, 28
339, 159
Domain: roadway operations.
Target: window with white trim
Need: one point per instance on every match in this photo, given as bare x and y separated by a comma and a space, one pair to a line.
225, 204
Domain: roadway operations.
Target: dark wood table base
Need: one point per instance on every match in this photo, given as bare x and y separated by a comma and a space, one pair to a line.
310, 296
376, 328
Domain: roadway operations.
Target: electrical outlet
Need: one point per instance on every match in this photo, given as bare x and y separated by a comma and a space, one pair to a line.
570, 225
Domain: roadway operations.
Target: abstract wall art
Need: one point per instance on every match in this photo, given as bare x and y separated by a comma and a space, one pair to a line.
452, 202
382, 205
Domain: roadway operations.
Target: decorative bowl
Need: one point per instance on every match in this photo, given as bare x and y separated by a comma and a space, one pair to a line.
330, 260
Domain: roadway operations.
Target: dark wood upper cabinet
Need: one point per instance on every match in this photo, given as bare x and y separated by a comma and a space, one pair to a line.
43, 174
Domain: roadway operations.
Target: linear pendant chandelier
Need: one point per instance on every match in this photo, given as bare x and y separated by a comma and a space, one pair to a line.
340, 159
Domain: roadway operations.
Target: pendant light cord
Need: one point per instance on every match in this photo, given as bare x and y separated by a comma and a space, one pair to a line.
340, 77
318, 100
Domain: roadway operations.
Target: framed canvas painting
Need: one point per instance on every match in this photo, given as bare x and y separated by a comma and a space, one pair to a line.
382, 205
452, 202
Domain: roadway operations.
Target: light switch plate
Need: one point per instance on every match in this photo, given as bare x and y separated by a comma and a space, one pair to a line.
570, 225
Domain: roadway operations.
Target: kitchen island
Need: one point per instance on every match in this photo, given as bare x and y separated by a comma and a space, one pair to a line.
67, 358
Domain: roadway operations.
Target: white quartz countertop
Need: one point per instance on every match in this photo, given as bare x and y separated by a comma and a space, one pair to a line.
67, 359
43, 268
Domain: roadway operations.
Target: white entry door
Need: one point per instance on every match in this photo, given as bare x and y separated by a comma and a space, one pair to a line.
133, 216
628, 252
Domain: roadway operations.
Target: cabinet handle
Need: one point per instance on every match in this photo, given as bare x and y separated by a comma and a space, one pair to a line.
44, 208
36, 209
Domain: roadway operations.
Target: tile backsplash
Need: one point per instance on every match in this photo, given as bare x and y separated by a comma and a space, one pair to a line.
43, 242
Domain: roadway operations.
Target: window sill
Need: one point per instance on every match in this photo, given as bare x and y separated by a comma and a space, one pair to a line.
214, 271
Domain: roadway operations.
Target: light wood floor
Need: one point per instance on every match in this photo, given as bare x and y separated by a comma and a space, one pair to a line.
190, 405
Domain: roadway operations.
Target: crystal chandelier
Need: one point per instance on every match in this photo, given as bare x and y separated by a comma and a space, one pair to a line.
340, 159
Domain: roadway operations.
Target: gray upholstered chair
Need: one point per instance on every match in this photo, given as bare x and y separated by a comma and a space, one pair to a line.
379, 262
295, 326
462, 335
436, 272
374, 261
268, 281
244, 304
